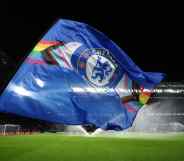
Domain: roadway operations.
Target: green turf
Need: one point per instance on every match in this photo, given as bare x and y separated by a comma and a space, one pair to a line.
56, 147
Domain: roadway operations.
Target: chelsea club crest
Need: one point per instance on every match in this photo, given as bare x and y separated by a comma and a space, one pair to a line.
98, 67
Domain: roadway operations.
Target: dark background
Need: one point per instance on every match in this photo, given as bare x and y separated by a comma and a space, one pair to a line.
154, 40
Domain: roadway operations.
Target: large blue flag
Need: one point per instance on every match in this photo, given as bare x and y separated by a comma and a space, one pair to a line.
76, 75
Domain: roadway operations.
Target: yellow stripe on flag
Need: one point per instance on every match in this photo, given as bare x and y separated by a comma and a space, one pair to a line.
42, 45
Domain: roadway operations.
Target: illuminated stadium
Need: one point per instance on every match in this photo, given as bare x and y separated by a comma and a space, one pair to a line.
79, 96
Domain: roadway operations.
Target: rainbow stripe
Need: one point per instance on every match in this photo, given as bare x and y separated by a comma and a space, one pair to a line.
144, 95
43, 44
35, 56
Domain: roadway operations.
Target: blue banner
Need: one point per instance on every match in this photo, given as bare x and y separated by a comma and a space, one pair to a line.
76, 75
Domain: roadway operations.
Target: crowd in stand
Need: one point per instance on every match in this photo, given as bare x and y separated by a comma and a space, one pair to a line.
27, 126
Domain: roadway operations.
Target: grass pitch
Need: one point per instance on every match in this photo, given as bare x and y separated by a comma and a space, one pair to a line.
57, 147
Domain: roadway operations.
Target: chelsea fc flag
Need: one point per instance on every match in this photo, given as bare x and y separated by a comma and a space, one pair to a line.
76, 75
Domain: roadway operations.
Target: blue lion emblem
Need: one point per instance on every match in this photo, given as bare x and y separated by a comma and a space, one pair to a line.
101, 70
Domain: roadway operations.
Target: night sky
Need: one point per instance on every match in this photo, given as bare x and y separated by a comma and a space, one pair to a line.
154, 41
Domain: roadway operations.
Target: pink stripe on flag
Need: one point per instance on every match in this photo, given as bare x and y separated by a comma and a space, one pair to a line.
34, 61
129, 107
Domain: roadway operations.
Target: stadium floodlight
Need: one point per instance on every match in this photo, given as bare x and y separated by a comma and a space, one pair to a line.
7, 129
